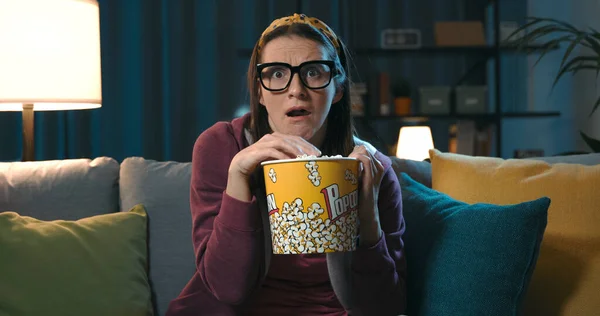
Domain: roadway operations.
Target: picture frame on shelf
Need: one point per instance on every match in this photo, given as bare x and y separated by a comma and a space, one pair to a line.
401, 39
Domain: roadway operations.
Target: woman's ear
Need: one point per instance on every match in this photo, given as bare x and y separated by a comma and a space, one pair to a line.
339, 93
260, 96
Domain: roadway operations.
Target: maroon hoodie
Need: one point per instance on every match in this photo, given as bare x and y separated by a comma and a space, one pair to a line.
235, 275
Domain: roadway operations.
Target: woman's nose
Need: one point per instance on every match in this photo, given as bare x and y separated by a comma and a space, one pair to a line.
297, 88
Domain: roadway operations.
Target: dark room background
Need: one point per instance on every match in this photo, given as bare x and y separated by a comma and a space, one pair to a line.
171, 69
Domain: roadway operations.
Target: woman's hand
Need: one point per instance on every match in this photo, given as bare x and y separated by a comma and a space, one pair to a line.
370, 175
270, 146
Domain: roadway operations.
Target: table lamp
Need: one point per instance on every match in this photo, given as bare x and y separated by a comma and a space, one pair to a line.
49, 59
414, 143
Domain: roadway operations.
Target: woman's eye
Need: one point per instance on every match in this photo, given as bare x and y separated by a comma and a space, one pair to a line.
313, 72
277, 73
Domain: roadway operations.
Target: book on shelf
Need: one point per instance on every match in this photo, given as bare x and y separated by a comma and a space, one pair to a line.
483, 141
467, 139
379, 94
358, 92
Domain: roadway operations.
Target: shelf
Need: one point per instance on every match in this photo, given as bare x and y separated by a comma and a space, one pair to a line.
530, 114
485, 50
476, 117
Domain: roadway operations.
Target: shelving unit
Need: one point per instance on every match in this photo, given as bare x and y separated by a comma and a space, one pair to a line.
477, 117
484, 53
479, 50
391, 53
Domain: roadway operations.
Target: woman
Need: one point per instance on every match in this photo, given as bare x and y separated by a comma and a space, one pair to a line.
298, 81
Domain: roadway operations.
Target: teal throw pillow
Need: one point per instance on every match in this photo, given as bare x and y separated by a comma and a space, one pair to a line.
468, 259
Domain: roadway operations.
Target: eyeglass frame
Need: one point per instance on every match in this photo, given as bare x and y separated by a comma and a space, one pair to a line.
296, 70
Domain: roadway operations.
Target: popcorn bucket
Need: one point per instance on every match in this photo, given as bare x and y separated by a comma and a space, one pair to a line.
312, 204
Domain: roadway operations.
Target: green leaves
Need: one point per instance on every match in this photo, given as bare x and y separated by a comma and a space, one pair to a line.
550, 33
593, 143
595, 106
576, 64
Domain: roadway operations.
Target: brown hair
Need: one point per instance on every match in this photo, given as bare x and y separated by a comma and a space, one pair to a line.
340, 127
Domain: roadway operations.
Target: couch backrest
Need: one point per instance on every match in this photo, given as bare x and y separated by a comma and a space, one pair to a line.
421, 170
585, 159
163, 188
79, 188
61, 189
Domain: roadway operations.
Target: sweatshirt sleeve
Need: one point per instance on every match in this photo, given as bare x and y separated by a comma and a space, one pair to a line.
379, 271
226, 232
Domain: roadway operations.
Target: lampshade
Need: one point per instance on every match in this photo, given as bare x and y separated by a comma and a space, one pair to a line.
49, 54
414, 143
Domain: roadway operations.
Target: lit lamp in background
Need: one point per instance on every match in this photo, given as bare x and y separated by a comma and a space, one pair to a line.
49, 59
414, 143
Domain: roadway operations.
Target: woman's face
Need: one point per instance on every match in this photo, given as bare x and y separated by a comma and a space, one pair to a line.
297, 110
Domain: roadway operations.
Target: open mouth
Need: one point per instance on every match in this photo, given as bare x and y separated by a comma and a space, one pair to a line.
295, 113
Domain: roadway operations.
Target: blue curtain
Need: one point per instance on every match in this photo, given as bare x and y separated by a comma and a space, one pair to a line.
159, 87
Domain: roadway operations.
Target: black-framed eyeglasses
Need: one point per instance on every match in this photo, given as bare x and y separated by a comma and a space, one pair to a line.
314, 74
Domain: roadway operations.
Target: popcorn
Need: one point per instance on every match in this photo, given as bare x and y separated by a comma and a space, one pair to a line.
273, 175
305, 156
313, 172
296, 231
351, 176
315, 216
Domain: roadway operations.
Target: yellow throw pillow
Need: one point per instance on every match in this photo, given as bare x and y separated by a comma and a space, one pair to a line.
566, 280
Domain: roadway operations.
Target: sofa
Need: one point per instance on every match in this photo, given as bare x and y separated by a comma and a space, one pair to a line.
65, 221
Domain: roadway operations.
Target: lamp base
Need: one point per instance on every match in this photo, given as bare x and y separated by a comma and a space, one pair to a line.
28, 136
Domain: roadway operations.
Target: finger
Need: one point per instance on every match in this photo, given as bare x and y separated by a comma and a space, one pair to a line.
362, 151
271, 141
377, 171
355, 154
271, 153
254, 158
306, 146
358, 150
299, 150
373, 166
375, 163
367, 172
379, 165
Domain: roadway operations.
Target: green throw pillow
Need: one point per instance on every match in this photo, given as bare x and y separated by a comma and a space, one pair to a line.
93, 266
468, 259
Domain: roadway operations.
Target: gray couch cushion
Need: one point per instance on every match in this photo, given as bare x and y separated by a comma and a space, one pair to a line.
163, 188
420, 171
60, 189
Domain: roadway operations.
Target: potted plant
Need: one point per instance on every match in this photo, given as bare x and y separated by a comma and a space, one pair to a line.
402, 97
560, 32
